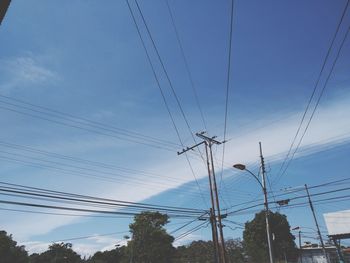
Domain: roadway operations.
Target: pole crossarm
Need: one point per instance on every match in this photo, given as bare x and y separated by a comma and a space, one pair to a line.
190, 148
215, 213
208, 139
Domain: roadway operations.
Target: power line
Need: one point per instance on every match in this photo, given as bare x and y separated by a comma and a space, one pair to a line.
318, 202
290, 199
318, 100
125, 203
281, 171
88, 237
98, 172
61, 214
92, 202
84, 161
69, 120
163, 96
165, 71
191, 231
85, 210
327, 184
186, 65
94, 176
297, 205
322, 193
79, 119
187, 224
228, 79
168, 78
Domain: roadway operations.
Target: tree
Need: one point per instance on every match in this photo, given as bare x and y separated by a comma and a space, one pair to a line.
117, 255
197, 252
203, 252
61, 252
234, 250
150, 242
9, 251
255, 239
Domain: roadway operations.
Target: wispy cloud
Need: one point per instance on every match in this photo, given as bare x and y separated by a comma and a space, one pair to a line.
18, 72
328, 128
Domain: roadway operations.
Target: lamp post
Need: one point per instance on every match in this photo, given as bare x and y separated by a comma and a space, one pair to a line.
242, 167
300, 249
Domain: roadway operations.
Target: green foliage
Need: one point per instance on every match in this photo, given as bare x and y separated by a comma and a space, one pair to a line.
197, 252
9, 251
117, 255
62, 252
255, 238
235, 251
203, 252
150, 243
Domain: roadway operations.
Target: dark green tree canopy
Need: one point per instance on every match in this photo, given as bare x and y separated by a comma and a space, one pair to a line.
255, 238
203, 252
150, 242
9, 251
117, 255
197, 252
61, 252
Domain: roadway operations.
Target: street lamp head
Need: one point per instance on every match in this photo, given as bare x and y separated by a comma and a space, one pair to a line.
239, 166
296, 228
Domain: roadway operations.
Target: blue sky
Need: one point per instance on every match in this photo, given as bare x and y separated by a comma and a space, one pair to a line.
85, 58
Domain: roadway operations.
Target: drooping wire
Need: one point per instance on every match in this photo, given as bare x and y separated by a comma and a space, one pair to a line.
228, 83
73, 121
96, 176
89, 237
202, 225
165, 71
316, 105
281, 171
83, 209
163, 97
187, 67
40, 192
86, 166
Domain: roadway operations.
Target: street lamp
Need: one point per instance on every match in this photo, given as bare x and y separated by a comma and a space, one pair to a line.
262, 183
242, 167
300, 248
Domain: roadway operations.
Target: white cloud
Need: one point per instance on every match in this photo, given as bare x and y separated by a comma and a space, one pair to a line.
186, 240
36, 246
329, 127
22, 71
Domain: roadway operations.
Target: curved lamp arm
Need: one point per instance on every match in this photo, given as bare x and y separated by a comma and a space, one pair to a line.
242, 167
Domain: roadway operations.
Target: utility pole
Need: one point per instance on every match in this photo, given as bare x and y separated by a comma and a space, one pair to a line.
214, 235
222, 239
218, 236
300, 249
217, 251
316, 223
266, 204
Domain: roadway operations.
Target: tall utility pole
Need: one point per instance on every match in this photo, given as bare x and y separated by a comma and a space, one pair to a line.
214, 235
217, 251
300, 249
316, 223
218, 235
266, 204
